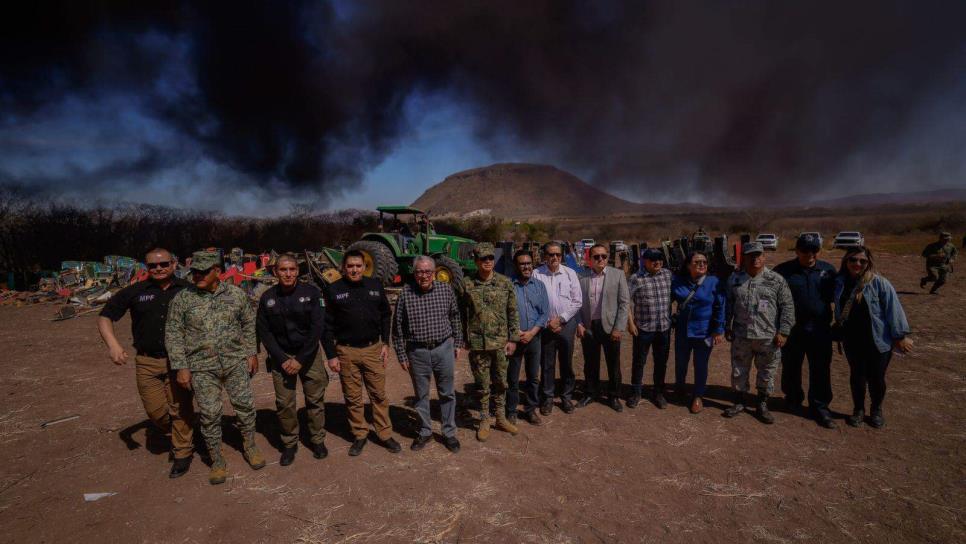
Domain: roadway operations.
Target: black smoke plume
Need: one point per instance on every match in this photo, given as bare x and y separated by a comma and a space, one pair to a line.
750, 99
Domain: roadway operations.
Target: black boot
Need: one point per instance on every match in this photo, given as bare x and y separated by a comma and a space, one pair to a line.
877, 421
319, 451
856, 418
288, 456
634, 399
180, 467
762, 412
738, 407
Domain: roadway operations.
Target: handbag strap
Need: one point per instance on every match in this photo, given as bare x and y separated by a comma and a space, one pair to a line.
844, 316
694, 290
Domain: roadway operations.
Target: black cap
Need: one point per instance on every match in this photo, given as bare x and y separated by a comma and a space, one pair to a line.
652, 254
808, 242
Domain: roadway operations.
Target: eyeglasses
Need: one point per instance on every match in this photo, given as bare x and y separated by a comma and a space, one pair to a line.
423, 273
554, 255
162, 264
487, 258
700, 263
599, 257
858, 260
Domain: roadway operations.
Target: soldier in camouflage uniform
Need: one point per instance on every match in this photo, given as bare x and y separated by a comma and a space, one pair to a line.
489, 307
939, 260
210, 339
759, 316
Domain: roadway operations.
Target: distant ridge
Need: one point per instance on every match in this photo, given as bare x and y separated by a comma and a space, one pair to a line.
523, 191
884, 199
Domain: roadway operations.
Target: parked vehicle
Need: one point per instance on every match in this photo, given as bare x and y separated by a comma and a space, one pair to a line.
619, 245
847, 239
821, 241
769, 242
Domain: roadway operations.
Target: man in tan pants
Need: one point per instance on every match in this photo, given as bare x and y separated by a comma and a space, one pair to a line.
168, 405
357, 322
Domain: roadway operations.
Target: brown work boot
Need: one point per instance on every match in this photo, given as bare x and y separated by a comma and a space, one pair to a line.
253, 455
219, 469
504, 424
483, 431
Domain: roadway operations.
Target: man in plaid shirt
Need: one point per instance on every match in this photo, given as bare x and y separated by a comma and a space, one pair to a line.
651, 325
427, 337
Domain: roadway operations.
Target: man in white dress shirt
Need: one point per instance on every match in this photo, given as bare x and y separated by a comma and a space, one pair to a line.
557, 338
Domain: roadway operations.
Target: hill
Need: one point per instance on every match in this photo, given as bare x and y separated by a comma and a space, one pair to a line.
886, 199
518, 191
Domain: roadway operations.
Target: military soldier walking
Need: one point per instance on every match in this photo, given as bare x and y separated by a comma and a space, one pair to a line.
759, 316
492, 324
939, 256
168, 405
289, 324
210, 339
357, 323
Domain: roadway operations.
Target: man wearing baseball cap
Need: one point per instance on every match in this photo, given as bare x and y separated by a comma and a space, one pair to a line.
650, 325
210, 339
759, 316
812, 283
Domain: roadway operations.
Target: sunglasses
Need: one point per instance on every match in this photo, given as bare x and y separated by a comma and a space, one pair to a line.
196, 272
552, 255
162, 264
599, 257
858, 260
524, 265
700, 263
487, 258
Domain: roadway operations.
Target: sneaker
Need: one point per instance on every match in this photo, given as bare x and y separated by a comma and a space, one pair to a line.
288, 456
762, 412
319, 451
179, 467
734, 410
420, 442
452, 444
356, 448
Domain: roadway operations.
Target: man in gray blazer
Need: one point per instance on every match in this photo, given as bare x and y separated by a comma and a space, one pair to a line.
603, 319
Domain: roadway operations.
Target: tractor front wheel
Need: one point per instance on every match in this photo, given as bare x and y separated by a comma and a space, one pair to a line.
379, 260
448, 270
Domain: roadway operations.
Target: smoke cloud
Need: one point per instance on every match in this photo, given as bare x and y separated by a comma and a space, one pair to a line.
746, 100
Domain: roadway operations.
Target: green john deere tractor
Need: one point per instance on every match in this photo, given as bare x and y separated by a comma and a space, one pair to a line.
405, 233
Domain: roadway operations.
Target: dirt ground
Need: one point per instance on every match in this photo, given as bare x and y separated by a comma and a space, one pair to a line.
644, 475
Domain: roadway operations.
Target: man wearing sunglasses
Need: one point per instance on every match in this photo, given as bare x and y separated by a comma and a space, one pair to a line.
492, 323
167, 404
603, 320
812, 283
557, 338
210, 338
759, 316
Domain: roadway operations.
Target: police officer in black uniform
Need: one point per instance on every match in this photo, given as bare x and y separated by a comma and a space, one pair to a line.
812, 283
289, 324
358, 320
167, 404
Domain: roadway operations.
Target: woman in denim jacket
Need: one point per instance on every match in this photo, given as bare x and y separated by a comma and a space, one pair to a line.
871, 321
699, 324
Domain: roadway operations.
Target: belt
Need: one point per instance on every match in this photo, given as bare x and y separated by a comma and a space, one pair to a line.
153, 354
427, 345
360, 344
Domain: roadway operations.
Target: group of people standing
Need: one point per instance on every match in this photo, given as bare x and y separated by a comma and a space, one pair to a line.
199, 339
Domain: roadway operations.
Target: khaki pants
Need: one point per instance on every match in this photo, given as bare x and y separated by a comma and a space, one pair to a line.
314, 381
363, 367
166, 403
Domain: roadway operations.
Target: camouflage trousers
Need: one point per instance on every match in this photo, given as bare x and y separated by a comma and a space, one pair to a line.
489, 370
207, 385
936, 274
766, 356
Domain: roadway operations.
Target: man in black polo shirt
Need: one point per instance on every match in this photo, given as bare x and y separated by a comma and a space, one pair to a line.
167, 404
357, 322
289, 325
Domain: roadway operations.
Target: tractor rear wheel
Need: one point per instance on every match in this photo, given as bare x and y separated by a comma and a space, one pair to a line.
448, 270
379, 260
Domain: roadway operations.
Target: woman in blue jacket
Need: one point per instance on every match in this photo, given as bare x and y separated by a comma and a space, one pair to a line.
871, 322
699, 322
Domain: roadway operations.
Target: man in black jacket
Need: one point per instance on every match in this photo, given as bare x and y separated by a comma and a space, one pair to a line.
812, 283
289, 324
357, 322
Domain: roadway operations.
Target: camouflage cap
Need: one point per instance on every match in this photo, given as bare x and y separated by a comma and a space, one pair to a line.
752, 247
203, 260
945, 234
484, 249
808, 241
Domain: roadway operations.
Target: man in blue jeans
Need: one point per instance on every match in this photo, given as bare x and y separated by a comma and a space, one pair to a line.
533, 304
651, 325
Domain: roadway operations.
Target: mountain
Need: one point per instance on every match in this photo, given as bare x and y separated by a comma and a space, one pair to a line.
523, 191
885, 199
